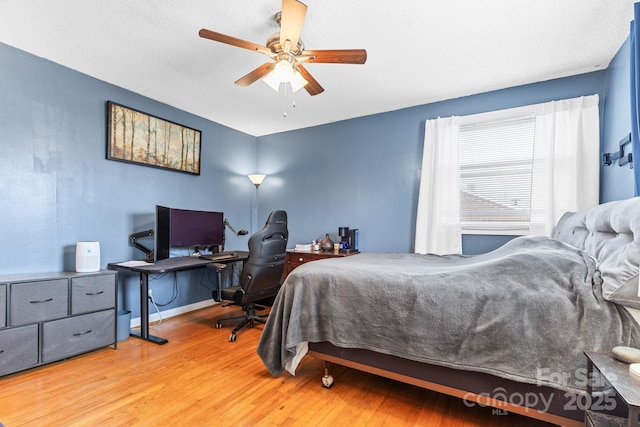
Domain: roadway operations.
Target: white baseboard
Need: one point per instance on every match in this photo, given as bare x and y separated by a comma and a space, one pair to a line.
154, 317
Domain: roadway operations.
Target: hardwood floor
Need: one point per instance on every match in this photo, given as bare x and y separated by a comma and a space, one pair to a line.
199, 379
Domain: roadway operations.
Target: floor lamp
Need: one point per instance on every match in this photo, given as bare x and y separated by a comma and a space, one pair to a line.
256, 179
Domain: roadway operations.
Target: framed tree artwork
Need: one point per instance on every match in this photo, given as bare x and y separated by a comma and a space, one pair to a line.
137, 137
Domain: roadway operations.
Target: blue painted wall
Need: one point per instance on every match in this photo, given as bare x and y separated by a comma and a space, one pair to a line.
616, 182
364, 173
57, 187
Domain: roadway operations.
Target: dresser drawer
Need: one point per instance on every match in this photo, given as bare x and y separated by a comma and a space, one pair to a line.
74, 335
292, 262
92, 293
33, 302
296, 259
18, 349
3, 306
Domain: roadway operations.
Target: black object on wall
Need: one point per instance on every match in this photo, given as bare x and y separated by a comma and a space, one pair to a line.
623, 157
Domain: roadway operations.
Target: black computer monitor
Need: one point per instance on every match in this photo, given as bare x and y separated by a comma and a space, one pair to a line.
185, 228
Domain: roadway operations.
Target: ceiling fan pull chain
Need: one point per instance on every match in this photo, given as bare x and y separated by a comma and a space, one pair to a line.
293, 97
284, 97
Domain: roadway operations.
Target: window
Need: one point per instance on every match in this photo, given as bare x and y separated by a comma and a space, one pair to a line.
496, 163
488, 165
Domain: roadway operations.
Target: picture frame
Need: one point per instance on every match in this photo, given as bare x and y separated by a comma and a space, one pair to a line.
144, 139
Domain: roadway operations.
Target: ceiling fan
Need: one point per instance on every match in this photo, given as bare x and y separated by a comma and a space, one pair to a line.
287, 52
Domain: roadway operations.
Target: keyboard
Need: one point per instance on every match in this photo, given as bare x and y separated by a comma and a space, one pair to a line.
219, 256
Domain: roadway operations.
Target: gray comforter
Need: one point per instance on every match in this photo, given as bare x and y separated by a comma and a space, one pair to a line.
525, 311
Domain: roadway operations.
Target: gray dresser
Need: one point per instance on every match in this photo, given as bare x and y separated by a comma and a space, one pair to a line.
49, 317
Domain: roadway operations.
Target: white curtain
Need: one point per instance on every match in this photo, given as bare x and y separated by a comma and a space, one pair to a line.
565, 176
438, 224
566, 168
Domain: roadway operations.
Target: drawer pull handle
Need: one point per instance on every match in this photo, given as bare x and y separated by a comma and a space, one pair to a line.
94, 293
300, 259
40, 302
82, 333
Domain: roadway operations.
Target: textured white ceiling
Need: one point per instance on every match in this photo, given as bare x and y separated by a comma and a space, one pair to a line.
419, 51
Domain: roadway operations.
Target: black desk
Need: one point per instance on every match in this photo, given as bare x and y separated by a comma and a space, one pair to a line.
165, 266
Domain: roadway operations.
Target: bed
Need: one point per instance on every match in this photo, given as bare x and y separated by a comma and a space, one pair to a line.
505, 329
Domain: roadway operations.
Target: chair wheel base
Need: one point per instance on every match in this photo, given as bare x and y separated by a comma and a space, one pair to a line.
250, 319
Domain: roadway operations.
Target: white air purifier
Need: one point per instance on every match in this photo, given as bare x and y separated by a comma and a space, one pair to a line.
87, 257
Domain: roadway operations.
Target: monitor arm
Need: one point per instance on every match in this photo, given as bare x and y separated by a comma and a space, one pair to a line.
237, 233
133, 240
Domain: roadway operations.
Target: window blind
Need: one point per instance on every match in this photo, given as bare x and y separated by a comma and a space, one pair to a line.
495, 160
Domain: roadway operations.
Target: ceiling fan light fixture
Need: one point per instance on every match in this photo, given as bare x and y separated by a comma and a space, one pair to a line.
297, 81
272, 80
284, 71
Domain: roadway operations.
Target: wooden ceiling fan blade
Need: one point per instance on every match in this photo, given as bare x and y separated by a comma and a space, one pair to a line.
312, 86
256, 74
233, 41
291, 20
343, 56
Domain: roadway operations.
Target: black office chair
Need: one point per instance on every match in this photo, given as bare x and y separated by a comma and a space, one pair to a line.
261, 275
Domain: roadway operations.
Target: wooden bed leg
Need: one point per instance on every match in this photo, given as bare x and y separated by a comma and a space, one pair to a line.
327, 380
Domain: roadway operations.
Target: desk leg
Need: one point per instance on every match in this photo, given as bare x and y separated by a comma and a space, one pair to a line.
144, 313
219, 285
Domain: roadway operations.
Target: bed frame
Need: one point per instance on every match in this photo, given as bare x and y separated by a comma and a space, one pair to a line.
475, 387
609, 232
